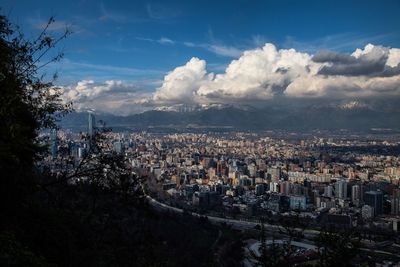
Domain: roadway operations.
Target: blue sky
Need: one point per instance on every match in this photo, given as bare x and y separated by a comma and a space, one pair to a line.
140, 41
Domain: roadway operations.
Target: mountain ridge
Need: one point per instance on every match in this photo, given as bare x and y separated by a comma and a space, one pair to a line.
355, 116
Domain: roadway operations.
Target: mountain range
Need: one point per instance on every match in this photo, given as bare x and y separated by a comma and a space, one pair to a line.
351, 115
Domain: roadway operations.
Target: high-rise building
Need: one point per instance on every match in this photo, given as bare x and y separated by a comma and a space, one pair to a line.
375, 200
328, 191
119, 147
53, 139
367, 212
341, 189
285, 187
91, 125
395, 201
81, 152
355, 194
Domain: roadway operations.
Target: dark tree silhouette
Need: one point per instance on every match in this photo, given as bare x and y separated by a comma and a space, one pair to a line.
272, 255
338, 248
28, 104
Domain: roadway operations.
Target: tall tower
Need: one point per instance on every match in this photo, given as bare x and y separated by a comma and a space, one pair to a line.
91, 125
53, 139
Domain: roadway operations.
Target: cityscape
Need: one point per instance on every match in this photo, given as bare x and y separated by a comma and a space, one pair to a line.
200, 133
236, 178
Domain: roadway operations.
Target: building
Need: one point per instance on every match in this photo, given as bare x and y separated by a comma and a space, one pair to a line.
297, 202
285, 187
355, 194
367, 212
328, 191
395, 202
275, 173
81, 152
341, 189
260, 189
375, 200
201, 199
119, 147
273, 187
54, 143
91, 125
252, 169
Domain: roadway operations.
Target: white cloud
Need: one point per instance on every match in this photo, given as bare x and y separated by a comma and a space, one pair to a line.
222, 50
110, 96
394, 57
182, 83
218, 49
343, 86
162, 40
165, 40
258, 74
255, 75
265, 72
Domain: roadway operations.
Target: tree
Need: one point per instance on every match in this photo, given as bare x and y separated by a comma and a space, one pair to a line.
337, 248
28, 104
269, 256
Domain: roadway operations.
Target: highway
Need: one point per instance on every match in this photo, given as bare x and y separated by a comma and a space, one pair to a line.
236, 224
309, 234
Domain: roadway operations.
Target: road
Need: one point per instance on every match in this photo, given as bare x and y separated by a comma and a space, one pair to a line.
236, 224
309, 234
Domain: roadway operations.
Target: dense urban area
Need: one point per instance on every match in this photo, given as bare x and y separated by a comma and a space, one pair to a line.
239, 178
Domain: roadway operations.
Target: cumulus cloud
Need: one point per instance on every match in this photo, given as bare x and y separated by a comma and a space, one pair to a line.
343, 86
266, 72
111, 96
256, 75
182, 83
370, 61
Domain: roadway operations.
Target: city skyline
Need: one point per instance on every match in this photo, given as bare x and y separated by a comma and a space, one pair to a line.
198, 133
126, 58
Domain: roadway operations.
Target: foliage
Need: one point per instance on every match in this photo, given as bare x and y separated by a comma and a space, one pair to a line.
28, 104
270, 255
338, 247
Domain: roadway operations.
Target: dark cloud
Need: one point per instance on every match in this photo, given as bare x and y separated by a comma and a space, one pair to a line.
333, 57
347, 65
390, 71
355, 69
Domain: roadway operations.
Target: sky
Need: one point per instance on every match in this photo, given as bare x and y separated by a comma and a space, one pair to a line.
129, 56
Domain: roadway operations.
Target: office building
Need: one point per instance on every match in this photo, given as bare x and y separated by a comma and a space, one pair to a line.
355, 194
341, 189
395, 202
375, 200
